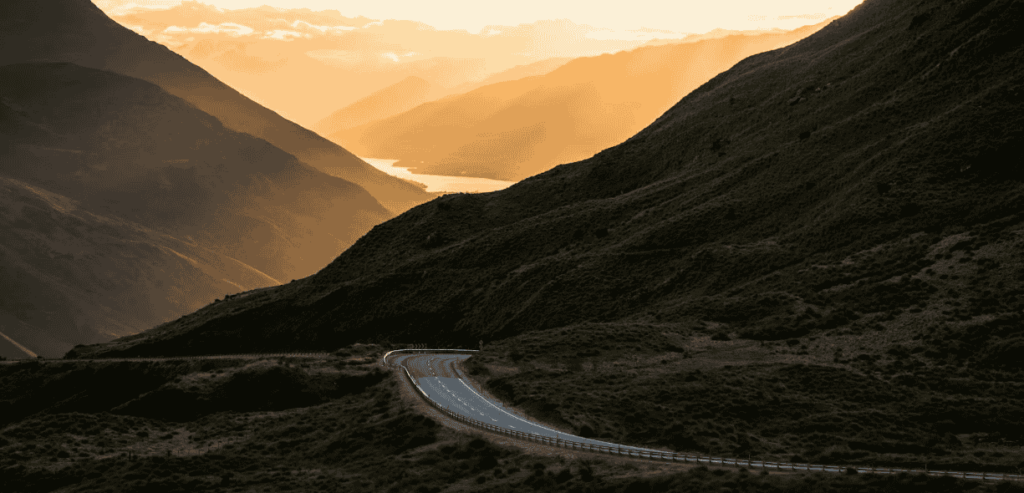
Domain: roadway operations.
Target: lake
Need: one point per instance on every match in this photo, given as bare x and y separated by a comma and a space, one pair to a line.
439, 183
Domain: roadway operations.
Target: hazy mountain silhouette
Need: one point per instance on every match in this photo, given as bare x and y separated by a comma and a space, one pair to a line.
391, 100
78, 32
823, 185
156, 179
412, 91
518, 72
519, 128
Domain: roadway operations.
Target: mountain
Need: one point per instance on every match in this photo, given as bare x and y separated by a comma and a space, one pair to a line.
867, 178
394, 99
188, 209
519, 128
76, 31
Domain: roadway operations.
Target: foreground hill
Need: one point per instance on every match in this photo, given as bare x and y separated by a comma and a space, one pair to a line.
132, 160
514, 129
76, 31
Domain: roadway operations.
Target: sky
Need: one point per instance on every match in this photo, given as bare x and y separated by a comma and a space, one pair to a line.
689, 16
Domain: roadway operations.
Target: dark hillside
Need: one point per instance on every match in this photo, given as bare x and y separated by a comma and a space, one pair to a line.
868, 176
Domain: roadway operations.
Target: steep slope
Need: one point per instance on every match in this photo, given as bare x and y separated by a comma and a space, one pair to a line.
835, 184
519, 128
78, 32
188, 210
396, 98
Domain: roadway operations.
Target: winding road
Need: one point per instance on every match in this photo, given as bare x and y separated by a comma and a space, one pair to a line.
437, 377
443, 382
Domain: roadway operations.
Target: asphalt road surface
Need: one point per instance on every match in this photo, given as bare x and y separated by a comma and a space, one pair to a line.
439, 376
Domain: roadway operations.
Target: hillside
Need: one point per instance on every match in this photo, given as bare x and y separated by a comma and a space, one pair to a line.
813, 256
133, 160
514, 129
76, 31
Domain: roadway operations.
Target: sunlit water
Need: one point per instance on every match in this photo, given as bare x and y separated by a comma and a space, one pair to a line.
440, 183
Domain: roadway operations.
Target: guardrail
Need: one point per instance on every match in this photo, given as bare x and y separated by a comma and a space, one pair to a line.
384, 360
176, 358
677, 458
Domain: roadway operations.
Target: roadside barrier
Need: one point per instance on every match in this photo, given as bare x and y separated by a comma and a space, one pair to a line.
176, 358
384, 360
662, 456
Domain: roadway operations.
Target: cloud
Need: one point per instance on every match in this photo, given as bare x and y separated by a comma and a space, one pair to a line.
810, 17
323, 29
644, 34
229, 28
283, 35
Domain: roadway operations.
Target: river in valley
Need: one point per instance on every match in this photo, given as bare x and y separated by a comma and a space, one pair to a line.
440, 183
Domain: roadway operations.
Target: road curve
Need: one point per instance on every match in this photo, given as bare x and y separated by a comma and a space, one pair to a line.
443, 382
440, 381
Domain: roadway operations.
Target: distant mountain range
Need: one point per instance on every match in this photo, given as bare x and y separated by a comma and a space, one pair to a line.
513, 129
340, 60
866, 178
136, 187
